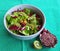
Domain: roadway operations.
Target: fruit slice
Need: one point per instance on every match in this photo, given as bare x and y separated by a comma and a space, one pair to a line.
37, 45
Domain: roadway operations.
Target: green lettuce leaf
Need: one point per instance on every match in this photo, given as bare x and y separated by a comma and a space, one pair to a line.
27, 11
8, 17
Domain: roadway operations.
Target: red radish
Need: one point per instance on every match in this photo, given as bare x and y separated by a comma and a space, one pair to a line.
30, 14
39, 27
13, 27
37, 16
19, 28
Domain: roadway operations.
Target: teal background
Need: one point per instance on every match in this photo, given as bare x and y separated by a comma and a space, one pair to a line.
51, 9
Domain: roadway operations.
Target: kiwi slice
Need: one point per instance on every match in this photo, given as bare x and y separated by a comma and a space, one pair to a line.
37, 45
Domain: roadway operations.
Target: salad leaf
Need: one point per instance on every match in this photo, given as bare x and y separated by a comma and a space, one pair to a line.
35, 30
13, 21
17, 24
8, 17
32, 17
33, 20
27, 11
15, 31
26, 31
24, 16
15, 14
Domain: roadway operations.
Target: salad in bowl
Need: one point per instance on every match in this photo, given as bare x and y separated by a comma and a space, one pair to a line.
24, 22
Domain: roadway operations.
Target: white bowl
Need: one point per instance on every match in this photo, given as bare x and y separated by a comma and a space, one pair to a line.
22, 7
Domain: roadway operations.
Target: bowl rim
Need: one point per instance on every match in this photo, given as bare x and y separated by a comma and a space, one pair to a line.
22, 35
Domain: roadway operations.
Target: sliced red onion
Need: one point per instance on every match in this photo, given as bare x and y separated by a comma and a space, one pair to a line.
13, 16
22, 28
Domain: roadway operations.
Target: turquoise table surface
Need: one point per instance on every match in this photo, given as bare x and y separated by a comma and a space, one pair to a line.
51, 9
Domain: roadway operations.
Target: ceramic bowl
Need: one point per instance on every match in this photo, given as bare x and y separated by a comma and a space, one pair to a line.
20, 7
